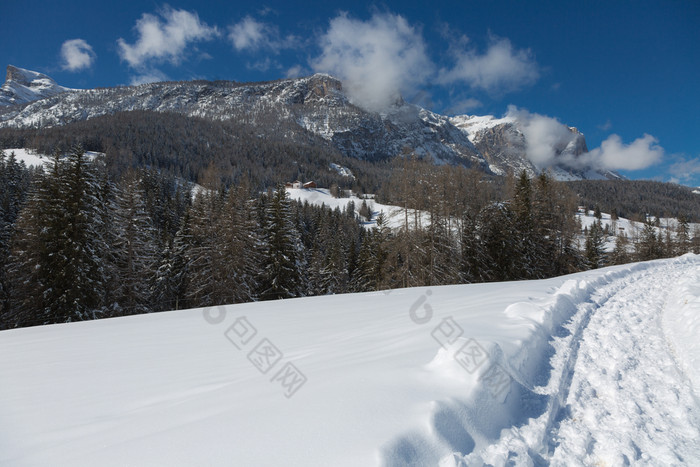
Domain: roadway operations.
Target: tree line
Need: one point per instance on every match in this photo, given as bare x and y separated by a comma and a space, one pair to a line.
635, 199
79, 243
192, 148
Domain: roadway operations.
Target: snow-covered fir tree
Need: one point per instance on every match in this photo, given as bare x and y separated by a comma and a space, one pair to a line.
58, 251
281, 275
135, 248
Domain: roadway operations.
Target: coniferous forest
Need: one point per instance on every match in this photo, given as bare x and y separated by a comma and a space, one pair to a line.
79, 241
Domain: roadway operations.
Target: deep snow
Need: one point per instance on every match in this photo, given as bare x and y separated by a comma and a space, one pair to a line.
595, 367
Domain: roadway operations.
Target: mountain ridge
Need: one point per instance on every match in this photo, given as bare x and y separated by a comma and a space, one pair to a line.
316, 104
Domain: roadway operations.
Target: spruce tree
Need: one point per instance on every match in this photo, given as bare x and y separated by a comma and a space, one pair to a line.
594, 252
649, 246
683, 244
58, 252
525, 239
172, 275
281, 263
620, 255
135, 248
499, 244
471, 257
14, 186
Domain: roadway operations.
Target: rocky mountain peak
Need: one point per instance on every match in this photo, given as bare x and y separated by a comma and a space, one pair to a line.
26, 77
24, 86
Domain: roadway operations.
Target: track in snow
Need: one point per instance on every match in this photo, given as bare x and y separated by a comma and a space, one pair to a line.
617, 397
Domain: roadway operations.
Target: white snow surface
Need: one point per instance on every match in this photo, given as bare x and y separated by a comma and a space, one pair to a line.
36, 159
575, 370
28, 156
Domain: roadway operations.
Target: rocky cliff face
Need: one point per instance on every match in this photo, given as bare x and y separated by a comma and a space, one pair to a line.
293, 108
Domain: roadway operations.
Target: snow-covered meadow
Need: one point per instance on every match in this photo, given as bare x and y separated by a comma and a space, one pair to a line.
32, 158
394, 216
594, 368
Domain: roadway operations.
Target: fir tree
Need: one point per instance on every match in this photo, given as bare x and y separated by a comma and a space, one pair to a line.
648, 247
135, 248
281, 263
595, 253
172, 275
683, 244
58, 251
14, 186
620, 255
499, 243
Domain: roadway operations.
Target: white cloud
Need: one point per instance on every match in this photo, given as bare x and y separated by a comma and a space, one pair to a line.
295, 71
165, 37
148, 76
462, 106
377, 59
613, 154
501, 69
252, 35
685, 169
77, 55
545, 137
263, 65
605, 126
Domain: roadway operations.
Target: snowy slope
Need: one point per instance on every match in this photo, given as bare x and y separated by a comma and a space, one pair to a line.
23, 86
33, 158
446, 375
394, 216
631, 229
473, 125
28, 156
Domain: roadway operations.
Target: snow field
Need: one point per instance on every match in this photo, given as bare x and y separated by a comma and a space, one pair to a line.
458, 375
33, 158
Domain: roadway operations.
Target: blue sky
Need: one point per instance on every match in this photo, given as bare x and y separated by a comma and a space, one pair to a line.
625, 73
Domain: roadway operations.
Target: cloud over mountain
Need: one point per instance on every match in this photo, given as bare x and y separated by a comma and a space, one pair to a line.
77, 55
165, 37
502, 68
252, 35
546, 137
377, 59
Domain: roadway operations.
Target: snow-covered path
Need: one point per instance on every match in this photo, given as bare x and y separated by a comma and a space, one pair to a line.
618, 396
628, 400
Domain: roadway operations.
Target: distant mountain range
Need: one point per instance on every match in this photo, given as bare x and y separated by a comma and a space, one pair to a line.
296, 108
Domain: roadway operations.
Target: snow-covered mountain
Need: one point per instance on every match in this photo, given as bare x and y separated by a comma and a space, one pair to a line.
504, 142
296, 108
25, 86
